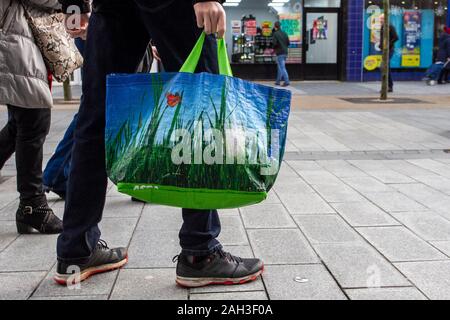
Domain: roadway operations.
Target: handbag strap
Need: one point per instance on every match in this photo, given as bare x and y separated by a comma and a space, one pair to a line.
192, 61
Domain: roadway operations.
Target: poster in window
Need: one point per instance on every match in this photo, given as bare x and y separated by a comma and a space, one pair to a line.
320, 29
290, 23
411, 39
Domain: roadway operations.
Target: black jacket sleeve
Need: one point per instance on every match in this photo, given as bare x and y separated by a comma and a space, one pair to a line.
84, 5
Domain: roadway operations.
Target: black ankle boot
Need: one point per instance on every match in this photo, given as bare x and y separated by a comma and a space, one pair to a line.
39, 218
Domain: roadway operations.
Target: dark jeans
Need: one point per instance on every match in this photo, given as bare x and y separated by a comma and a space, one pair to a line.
116, 42
390, 79
56, 172
25, 135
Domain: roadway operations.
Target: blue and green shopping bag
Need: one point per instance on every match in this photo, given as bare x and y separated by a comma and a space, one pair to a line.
199, 141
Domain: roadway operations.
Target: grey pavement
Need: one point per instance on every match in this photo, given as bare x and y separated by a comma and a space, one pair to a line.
360, 210
332, 88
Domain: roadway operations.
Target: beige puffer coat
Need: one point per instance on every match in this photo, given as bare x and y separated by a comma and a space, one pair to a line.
23, 75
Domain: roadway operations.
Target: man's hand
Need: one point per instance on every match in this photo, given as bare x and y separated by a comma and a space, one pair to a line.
211, 16
77, 25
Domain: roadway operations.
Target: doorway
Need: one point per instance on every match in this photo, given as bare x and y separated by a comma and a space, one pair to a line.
322, 43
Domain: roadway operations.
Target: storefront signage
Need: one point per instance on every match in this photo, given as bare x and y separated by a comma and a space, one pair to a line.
411, 39
290, 23
372, 62
236, 27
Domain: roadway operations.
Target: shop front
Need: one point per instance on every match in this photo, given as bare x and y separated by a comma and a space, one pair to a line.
418, 25
333, 39
314, 29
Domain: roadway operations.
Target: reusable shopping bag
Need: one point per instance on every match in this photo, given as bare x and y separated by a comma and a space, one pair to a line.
199, 141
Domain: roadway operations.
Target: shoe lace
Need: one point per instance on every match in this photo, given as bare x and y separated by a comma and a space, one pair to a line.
175, 259
102, 245
228, 256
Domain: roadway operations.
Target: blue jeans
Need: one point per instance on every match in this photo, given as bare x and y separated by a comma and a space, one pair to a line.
56, 172
282, 73
116, 43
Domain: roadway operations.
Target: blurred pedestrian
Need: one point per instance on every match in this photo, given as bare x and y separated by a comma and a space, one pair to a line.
443, 55
281, 44
25, 89
393, 38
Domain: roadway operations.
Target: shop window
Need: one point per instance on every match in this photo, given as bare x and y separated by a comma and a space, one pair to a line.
418, 25
252, 25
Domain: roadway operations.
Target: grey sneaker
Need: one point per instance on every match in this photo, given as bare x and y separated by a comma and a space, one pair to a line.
218, 268
102, 259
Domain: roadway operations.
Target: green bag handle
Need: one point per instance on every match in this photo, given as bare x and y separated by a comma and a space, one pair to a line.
191, 62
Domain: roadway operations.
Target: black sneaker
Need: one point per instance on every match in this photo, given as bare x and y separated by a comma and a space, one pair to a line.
217, 268
102, 260
41, 219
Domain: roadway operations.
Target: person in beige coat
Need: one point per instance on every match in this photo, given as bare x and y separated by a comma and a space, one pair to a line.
25, 90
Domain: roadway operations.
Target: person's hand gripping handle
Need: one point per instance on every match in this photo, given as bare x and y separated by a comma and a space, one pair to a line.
211, 16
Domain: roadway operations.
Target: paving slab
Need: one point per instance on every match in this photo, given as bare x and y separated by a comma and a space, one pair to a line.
233, 232
148, 284
430, 277
101, 284
394, 202
406, 293
317, 283
122, 207
443, 246
338, 193
117, 232
366, 185
278, 246
400, 244
8, 233
326, 228
427, 225
341, 168
359, 214
266, 216
304, 203
153, 249
357, 265
19, 285
29, 253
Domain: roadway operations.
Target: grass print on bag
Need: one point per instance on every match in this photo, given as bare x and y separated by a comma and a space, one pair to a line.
197, 141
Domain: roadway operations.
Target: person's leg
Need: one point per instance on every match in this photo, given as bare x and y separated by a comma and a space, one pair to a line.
202, 260
285, 74
32, 128
7, 140
115, 44
34, 213
55, 173
279, 71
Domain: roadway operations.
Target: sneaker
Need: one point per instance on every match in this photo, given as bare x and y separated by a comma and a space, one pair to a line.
277, 84
102, 260
220, 268
40, 218
286, 85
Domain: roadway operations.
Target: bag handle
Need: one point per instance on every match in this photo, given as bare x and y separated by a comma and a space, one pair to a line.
191, 62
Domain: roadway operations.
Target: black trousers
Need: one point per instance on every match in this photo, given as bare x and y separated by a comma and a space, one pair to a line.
118, 35
25, 135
